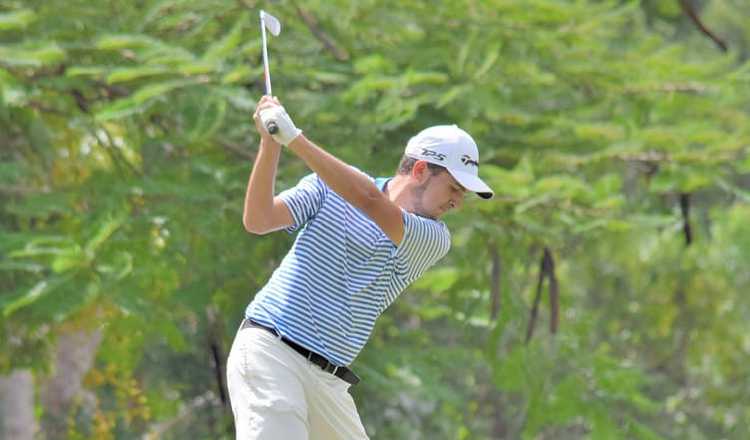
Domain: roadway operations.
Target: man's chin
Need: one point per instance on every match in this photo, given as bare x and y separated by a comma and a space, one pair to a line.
430, 215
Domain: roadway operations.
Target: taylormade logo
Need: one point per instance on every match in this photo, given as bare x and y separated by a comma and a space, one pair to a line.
435, 154
467, 160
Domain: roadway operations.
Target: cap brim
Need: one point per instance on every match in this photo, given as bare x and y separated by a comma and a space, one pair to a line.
472, 183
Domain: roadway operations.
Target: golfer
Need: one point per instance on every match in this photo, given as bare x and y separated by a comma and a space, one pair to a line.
361, 242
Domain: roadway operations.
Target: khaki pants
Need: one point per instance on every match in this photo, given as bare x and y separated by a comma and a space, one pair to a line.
277, 394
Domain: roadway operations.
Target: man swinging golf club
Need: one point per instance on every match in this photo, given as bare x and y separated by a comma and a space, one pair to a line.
362, 241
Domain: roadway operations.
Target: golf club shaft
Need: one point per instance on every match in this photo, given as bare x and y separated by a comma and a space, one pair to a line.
266, 70
271, 125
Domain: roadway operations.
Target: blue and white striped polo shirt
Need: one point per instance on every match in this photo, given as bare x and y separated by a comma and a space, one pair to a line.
342, 271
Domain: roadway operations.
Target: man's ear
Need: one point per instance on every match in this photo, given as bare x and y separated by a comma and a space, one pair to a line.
420, 172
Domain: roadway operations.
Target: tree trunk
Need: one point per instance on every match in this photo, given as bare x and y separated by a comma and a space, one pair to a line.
74, 357
17, 420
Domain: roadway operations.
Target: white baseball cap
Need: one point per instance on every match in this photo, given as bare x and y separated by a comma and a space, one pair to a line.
454, 149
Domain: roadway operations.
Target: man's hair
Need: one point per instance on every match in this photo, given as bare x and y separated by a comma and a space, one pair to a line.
407, 164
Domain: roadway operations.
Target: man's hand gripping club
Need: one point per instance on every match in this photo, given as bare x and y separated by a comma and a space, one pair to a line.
271, 112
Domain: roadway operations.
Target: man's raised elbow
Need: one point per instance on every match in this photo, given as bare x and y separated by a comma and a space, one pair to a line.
254, 227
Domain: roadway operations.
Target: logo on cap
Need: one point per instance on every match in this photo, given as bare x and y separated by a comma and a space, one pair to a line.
467, 160
430, 153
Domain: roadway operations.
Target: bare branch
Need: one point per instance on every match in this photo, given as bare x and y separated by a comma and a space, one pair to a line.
495, 282
691, 87
685, 210
693, 14
237, 150
207, 399
312, 24
554, 292
537, 300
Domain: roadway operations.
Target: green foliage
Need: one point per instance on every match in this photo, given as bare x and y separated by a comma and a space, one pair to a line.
127, 139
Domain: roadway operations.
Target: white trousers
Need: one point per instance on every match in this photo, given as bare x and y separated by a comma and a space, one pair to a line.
277, 394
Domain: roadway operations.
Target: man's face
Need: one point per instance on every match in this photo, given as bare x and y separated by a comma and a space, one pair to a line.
436, 194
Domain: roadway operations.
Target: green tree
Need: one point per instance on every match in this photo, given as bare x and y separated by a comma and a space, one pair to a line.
614, 133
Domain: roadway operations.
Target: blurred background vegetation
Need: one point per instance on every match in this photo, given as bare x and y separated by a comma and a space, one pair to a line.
602, 294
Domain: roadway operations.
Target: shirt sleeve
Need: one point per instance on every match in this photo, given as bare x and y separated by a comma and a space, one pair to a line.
304, 200
425, 242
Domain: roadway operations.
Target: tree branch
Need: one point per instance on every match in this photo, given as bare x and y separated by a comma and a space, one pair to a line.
689, 87
693, 14
685, 209
554, 292
237, 150
207, 399
495, 282
312, 24
537, 300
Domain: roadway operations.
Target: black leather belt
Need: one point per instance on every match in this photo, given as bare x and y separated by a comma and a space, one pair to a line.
342, 373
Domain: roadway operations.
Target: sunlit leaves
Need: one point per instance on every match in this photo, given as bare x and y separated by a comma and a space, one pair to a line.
31, 55
142, 98
224, 47
18, 19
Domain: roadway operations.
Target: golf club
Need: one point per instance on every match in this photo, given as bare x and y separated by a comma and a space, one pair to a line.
274, 27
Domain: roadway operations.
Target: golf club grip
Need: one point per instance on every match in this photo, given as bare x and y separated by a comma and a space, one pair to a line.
272, 127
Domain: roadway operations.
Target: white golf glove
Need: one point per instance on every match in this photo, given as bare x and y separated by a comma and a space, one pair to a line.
287, 132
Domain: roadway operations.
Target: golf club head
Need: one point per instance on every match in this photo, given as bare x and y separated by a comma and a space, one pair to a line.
271, 23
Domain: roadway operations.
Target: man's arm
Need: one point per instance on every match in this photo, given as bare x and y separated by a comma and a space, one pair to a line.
352, 186
263, 212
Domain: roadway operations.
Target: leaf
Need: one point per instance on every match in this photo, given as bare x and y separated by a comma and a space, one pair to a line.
165, 55
120, 266
433, 78
641, 431
239, 97
533, 202
210, 119
463, 53
107, 227
733, 189
653, 220
125, 41
70, 258
227, 45
22, 266
330, 77
374, 64
195, 68
491, 57
602, 425
10, 304
240, 74
131, 73
438, 280
141, 99
32, 55
172, 334
76, 71
509, 373
451, 94
19, 19
39, 206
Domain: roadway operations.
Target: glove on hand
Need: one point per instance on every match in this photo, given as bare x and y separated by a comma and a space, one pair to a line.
287, 132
